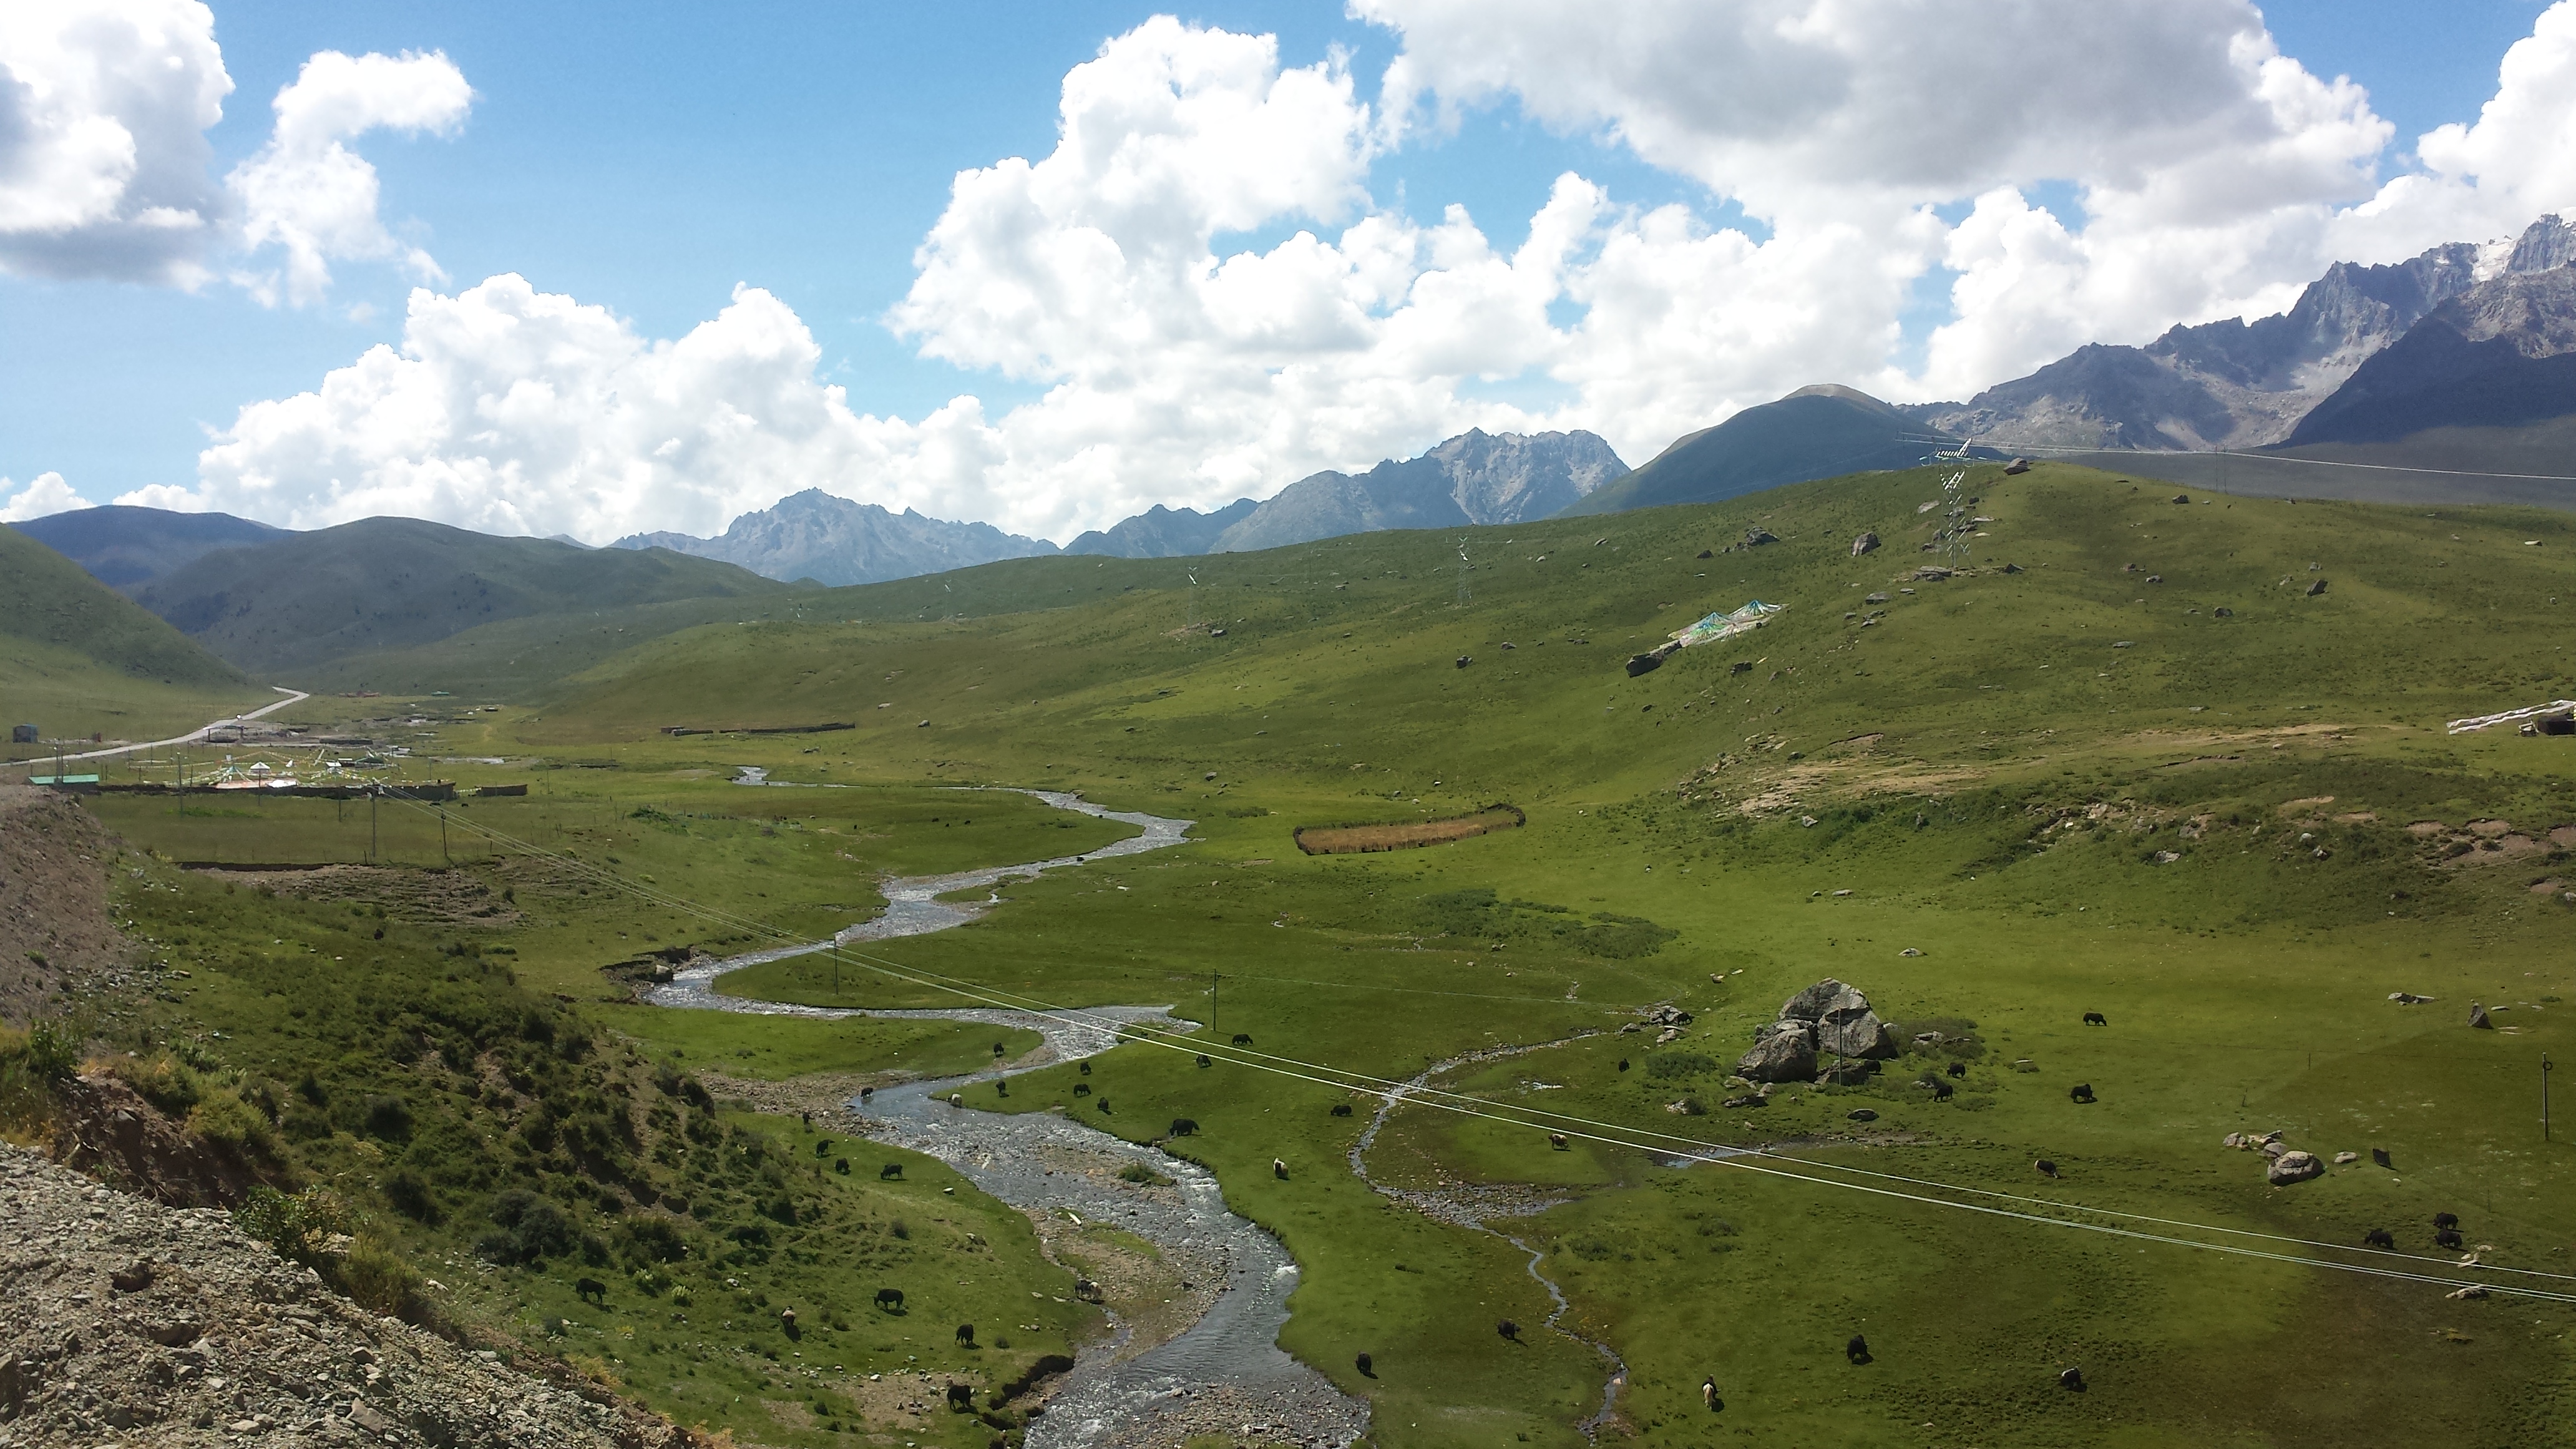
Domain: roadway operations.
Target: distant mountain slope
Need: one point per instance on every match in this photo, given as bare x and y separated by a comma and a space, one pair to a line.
384, 583
2501, 356
2233, 383
1476, 477
833, 540
49, 600
126, 548
1161, 532
1816, 432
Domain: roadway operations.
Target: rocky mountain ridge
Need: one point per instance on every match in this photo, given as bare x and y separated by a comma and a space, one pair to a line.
835, 540
2233, 383
1474, 478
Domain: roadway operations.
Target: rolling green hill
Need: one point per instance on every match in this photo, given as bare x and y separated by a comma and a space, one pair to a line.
1816, 432
395, 583
78, 658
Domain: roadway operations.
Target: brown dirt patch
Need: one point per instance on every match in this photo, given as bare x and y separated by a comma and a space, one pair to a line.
413, 897
58, 943
2491, 829
2427, 829
1405, 834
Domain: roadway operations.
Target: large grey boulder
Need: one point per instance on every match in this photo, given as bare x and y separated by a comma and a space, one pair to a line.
1844, 1024
2292, 1167
1784, 1053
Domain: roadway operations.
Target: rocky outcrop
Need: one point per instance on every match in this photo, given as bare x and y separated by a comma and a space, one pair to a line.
101, 1127
1161, 532
2292, 1167
1785, 1052
125, 1321
1841, 1021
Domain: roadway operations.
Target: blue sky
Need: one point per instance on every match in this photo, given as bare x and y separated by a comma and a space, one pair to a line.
651, 164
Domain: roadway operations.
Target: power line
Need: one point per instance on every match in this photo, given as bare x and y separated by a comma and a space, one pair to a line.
1461, 1104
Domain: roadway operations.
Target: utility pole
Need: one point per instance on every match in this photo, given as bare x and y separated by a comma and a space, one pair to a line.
2544, 1096
442, 836
1211, 1001
373, 796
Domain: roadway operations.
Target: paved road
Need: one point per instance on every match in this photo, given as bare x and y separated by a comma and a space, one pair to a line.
193, 736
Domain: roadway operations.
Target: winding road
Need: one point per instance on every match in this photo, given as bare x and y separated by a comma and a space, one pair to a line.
194, 736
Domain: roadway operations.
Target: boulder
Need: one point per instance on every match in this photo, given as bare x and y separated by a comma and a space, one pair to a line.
1861, 1114
1849, 1072
2292, 1167
1856, 1033
1783, 1054
2478, 1017
1813, 1002
1864, 544
2343, 1157
1755, 537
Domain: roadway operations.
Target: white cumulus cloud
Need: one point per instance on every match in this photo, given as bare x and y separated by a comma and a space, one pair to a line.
307, 194
104, 164
45, 494
106, 171
1215, 303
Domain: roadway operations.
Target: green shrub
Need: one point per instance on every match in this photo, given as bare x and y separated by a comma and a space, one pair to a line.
298, 1226
411, 1196
162, 1080
377, 1277
233, 1125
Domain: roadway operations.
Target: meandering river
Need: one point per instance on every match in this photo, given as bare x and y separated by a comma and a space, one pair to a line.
1224, 1374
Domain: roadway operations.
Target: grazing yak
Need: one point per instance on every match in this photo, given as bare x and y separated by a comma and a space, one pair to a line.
1085, 1068
2095, 1018
1184, 1126
1278, 1169
2379, 1238
1958, 1069
966, 1335
1341, 1109
1509, 1329
1082, 1089
2449, 1238
1708, 1393
961, 1398
1556, 1140
1857, 1350
1242, 1039
1087, 1291
1942, 1091
2080, 1092
1205, 1060
1623, 1064
889, 1172
2072, 1379
1368, 1370
890, 1298
866, 1092
1103, 1104
2046, 1167
591, 1290
2446, 1220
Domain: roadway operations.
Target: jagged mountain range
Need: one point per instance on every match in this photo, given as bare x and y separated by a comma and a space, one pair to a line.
833, 540
1474, 478
2233, 383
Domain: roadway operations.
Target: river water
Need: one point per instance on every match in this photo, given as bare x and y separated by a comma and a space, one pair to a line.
1224, 1374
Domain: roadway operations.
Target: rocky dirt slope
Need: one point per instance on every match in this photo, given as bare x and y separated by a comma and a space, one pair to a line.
126, 1322
55, 932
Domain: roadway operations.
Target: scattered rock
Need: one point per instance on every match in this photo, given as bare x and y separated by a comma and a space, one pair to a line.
225, 1333
2408, 998
1849, 1072
2478, 1017
2292, 1167
2474, 1290
2224, 612
2344, 1157
2316, 587
1690, 1107
1756, 536
2379, 1155
1861, 1114
2182, 498
1909, 951
1864, 544
2016, 466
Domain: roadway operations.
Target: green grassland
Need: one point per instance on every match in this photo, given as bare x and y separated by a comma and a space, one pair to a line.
2069, 785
